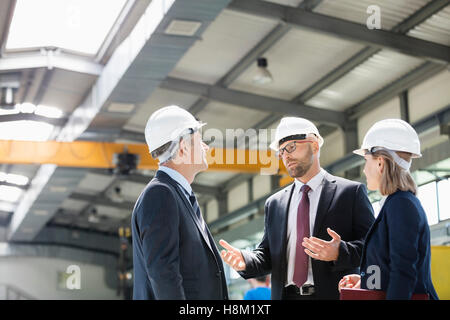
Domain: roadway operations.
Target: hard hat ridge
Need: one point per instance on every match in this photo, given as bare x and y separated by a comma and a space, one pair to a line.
168, 124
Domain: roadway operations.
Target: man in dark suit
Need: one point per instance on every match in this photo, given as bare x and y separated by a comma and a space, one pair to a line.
174, 254
301, 217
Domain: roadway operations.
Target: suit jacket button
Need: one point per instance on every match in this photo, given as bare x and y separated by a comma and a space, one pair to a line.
362, 274
218, 274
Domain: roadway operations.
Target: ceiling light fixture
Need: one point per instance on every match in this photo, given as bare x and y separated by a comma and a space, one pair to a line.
7, 98
9, 84
262, 75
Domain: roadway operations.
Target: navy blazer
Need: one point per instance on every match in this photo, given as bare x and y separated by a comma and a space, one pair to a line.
343, 207
172, 257
398, 244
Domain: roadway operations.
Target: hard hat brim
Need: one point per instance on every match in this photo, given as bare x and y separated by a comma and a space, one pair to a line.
360, 152
275, 144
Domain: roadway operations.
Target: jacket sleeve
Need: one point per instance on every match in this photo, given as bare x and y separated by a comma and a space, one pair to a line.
362, 219
158, 222
403, 221
258, 262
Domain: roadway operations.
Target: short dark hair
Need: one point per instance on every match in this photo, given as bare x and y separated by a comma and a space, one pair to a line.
261, 279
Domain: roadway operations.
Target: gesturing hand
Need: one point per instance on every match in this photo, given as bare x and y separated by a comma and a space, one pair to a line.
232, 256
323, 250
352, 281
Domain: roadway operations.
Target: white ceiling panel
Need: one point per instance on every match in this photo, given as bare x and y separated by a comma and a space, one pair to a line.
220, 117
131, 190
435, 29
24, 170
94, 183
392, 12
158, 99
112, 212
430, 96
297, 61
210, 178
223, 44
73, 205
372, 75
67, 89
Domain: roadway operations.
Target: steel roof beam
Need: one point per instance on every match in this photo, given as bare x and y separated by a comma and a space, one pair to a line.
340, 28
253, 101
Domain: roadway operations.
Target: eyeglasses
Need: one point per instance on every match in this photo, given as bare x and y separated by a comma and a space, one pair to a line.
289, 148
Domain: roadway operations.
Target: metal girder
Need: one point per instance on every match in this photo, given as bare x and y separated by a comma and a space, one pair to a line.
236, 180
198, 106
442, 117
422, 14
32, 117
432, 155
310, 4
7, 18
423, 72
7, 184
239, 214
103, 201
110, 135
59, 60
253, 101
276, 34
145, 179
336, 74
345, 29
404, 106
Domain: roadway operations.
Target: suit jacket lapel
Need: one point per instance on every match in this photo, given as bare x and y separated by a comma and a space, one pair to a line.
284, 214
188, 207
328, 191
369, 233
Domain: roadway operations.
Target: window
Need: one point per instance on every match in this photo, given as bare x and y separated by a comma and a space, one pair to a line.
10, 194
444, 200
25, 130
13, 178
76, 25
427, 196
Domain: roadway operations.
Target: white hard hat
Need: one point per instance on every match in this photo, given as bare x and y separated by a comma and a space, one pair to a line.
292, 126
168, 124
391, 134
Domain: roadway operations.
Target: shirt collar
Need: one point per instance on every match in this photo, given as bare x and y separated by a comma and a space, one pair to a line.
314, 183
178, 177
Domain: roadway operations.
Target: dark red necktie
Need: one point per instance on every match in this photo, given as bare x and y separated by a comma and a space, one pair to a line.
301, 258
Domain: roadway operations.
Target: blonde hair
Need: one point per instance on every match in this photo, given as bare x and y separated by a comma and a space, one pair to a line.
395, 177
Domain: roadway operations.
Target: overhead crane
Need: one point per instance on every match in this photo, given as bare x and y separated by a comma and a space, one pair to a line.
91, 154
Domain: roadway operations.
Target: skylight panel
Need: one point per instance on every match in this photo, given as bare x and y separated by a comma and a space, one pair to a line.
10, 194
25, 130
75, 25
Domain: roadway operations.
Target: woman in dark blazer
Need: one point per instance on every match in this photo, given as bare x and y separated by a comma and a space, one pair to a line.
396, 255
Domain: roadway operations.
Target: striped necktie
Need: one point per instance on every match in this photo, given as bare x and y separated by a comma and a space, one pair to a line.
196, 207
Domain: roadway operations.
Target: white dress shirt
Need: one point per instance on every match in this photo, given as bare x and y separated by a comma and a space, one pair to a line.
316, 184
184, 186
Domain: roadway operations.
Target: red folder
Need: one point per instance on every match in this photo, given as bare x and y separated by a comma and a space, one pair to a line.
362, 294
